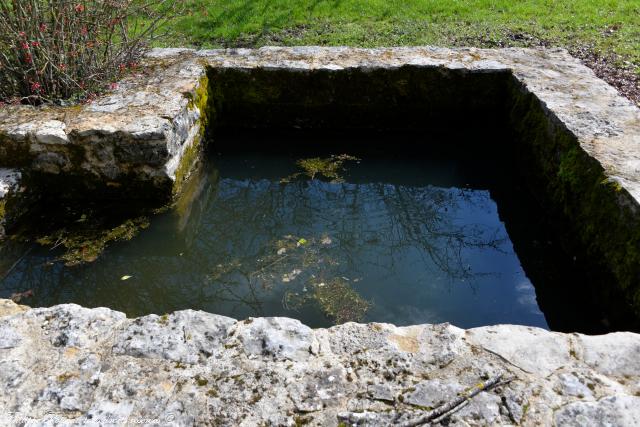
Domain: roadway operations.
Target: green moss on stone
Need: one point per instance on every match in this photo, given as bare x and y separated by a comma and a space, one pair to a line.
164, 319
63, 378
200, 99
302, 420
189, 160
201, 381
599, 216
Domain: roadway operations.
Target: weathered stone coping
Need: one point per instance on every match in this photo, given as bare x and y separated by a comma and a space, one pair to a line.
69, 365
133, 136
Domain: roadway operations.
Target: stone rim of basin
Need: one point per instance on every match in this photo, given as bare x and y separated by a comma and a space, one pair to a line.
79, 365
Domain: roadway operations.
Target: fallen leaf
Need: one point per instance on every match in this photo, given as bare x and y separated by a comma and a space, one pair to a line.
326, 240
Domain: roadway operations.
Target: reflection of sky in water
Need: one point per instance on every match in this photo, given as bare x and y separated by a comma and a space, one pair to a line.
527, 298
418, 252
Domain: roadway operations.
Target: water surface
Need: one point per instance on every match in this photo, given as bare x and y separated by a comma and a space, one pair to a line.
405, 239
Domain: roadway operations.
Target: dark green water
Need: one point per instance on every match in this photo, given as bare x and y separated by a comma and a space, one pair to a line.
403, 239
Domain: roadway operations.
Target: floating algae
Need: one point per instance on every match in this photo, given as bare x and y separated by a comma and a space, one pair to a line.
340, 301
328, 167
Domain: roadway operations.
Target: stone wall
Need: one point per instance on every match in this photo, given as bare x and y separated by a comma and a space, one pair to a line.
598, 217
126, 144
426, 98
68, 365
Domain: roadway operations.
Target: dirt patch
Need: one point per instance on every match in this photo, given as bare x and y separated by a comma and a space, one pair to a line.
622, 77
611, 68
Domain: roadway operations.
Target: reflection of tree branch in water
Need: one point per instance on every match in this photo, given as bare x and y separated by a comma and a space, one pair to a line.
253, 301
424, 225
384, 225
381, 217
271, 264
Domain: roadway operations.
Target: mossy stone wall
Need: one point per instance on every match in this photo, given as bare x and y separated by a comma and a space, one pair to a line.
384, 98
596, 218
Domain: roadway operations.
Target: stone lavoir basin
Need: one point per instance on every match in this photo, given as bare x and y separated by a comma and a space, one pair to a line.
400, 194
415, 236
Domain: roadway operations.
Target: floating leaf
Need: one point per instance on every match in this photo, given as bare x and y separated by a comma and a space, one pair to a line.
125, 277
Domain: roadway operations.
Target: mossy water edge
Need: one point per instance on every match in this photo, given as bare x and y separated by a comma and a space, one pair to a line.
198, 100
600, 217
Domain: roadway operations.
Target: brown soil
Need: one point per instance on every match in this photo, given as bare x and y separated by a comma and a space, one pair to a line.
622, 77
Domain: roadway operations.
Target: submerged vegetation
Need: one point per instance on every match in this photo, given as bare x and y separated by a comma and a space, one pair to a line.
336, 298
328, 167
305, 265
84, 244
309, 271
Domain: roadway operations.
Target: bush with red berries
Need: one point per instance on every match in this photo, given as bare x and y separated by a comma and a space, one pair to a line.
55, 50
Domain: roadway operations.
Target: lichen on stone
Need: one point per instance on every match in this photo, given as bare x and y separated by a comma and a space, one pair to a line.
300, 375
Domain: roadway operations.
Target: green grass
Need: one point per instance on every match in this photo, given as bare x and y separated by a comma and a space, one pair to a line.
606, 26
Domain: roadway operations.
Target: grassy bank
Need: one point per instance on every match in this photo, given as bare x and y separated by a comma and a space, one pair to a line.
607, 27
